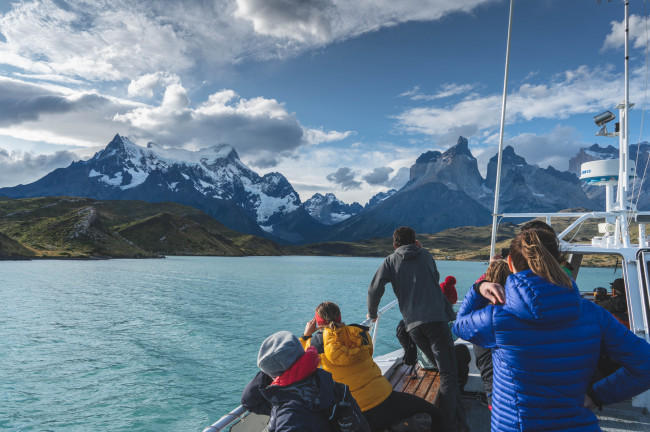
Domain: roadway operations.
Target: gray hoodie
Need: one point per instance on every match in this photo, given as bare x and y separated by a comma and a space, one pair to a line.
412, 272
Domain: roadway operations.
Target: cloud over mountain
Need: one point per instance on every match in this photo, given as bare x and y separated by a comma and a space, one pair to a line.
345, 178
378, 176
24, 167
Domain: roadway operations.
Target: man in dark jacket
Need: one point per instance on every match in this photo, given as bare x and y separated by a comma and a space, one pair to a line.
298, 395
412, 272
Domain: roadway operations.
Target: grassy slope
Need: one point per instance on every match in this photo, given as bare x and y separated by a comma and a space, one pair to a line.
81, 228
465, 243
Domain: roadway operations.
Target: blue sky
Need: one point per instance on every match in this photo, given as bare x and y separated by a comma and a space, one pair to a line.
338, 96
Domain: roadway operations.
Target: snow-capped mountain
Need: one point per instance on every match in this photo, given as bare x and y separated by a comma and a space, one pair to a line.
214, 180
330, 210
377, 198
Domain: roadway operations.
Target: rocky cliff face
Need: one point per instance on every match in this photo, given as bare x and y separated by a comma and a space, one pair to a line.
588, 154
527, 188
456, 168
638, 153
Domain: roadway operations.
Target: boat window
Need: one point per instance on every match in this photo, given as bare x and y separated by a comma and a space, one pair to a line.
595, 271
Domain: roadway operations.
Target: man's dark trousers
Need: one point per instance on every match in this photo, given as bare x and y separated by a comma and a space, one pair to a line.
434, 340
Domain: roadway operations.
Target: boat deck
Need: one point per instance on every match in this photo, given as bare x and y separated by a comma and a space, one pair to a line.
425, 383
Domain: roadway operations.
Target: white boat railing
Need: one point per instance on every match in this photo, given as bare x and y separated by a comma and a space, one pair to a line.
240, 412
581, 217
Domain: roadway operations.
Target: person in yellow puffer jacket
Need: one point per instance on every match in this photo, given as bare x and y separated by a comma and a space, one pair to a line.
346, 352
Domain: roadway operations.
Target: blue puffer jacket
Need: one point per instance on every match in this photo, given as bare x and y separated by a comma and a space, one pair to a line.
546, 342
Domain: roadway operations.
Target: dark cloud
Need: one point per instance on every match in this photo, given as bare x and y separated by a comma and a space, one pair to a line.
378, 176
21, 168
21, 102
345, 178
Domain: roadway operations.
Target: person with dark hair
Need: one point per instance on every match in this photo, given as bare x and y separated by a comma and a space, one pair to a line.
616, 304
537, 224
413, 274
296, 394
346, 352
546, 341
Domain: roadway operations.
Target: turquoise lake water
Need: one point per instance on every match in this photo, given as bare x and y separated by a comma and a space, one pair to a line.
166, 345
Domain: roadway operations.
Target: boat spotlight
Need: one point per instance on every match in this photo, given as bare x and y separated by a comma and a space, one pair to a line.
603, 118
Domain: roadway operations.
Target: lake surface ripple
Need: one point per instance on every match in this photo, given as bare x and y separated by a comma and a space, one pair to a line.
157, 345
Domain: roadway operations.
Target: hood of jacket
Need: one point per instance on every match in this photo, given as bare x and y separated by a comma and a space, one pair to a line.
347, 345
301, 369
407, 252
532, 298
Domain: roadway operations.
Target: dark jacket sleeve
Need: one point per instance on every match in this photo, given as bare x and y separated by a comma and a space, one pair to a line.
252, 399
377, 288
628, 350
474, 320
436, 274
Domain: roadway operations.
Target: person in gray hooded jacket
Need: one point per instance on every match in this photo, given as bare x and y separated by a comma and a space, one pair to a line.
414, 277
296, 394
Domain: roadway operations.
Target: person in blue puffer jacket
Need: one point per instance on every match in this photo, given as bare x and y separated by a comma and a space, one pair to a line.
546, 342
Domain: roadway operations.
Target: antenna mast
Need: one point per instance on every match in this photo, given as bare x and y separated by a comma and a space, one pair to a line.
497, 185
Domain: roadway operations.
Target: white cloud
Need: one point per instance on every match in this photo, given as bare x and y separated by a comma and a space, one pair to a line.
258, 128
295, 19
573, 92
144, 85
638, 33
446, 90
95, 40
323, 21
317, 136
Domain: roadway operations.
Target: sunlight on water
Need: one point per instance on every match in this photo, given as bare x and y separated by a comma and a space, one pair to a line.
151, 345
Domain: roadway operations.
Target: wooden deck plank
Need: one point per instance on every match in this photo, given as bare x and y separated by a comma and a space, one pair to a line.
433, 390
413, 383
397, 375
403, 382
425, 385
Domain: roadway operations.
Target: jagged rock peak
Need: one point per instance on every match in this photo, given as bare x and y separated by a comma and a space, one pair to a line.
461, 148
430, 156
509, 157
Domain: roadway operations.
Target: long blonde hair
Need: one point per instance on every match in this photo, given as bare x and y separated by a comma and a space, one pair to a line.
539, 251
